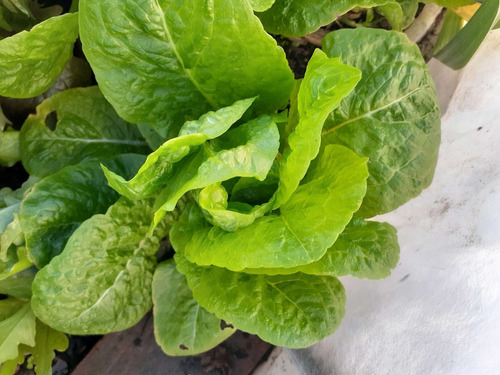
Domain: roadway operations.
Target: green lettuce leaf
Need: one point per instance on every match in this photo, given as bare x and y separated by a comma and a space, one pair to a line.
182, 327
46, 341
365, 249
246, 151
287, 310
19, 328
392, 116
9, 306
175, 60
325, 83
9, 148
57, 205
400, 13
155, 171
301, 17
31, 61
86, 128
261, 5
229, 216
308, 224
18, 286
101, 282
10, 202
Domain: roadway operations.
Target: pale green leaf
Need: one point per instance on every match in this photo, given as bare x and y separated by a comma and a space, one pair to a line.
9, 306
9, 148
392, 116
18, 329
159, 164
246, 151
18, 286
307, 225
31, 61
261, 5
364, 249
182, 326
287, 310
165, 62
86, 128
46, 341
325, 84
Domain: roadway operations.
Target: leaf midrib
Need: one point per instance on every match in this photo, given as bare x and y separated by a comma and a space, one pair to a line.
195, 83
370, 113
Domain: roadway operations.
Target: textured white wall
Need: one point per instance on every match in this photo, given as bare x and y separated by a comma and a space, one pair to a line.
439, 312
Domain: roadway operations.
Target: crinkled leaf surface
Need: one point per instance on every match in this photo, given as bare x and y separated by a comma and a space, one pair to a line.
287, 310
392, 116
47, 340
365, 249
102, 280
57, 205
301, 17
155, 171
182, 326
17, 329
9, 148
308, 224
164, 62
31, 61
246, 151
87, 128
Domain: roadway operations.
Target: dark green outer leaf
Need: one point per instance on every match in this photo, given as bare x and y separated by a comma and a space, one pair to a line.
175, 60
288, 310
102, 281
392, 116
364, 249
301, 17
57, 205
31, 61
182, 326
87, 129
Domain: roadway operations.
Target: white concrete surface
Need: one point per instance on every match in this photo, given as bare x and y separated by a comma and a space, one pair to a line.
439, 312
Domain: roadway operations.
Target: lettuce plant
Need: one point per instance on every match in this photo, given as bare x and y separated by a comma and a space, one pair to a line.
197, 132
